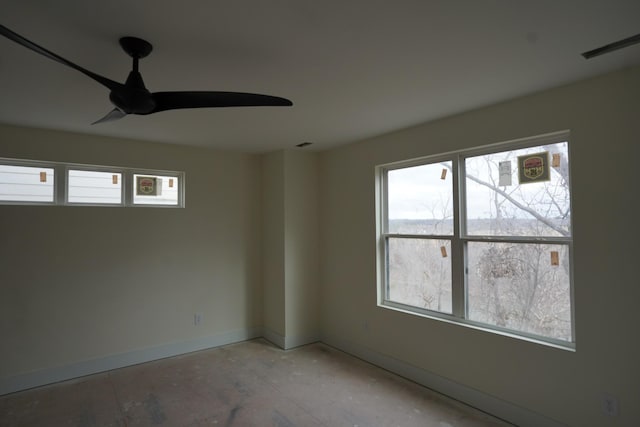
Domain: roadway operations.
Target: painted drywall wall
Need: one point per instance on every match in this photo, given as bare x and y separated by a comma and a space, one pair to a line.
83, 283
290, 247
301, 247
560, 385
273, 258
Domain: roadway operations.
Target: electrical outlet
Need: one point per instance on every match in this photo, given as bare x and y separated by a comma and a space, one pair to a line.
197, 319
609, 405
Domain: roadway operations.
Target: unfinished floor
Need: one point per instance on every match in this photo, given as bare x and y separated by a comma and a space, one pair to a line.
247, 384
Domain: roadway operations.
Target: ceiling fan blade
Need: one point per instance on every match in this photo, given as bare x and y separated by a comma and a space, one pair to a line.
42, 51
112, 115
176, 100
608, 48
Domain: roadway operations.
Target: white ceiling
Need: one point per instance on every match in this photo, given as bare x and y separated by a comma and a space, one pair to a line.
353, 68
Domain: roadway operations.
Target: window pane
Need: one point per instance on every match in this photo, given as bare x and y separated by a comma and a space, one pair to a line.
26, 183
524, 287
94, 187
499, 205
420, 199
420, 273
155, 190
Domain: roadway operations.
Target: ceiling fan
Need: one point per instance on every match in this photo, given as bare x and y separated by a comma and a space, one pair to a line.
132, 97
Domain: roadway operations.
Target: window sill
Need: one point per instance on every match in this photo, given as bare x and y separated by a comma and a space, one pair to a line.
446, 318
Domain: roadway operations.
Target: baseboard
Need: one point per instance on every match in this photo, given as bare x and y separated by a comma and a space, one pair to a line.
273, 337
490, 404
293, 341
93, 366
288, 342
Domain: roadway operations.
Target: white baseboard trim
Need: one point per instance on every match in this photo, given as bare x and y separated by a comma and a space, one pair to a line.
93, 366
293, 342
273, 337
492, 405
288, 342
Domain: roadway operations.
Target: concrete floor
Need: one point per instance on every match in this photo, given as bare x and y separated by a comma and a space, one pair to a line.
247, 384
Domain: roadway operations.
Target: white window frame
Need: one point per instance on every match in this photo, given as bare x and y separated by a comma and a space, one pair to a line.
34, 164
61, 180
180, 176
86, 168
460, 238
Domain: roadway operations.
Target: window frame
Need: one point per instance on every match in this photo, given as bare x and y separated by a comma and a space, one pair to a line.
61, 184
34, 164
86, 168
460, 239
180, 176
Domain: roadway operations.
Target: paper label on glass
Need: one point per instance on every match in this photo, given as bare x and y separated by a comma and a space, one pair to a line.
555, 258
555, 160
443, 251
505, 173
443, 175
147, 186
533, 168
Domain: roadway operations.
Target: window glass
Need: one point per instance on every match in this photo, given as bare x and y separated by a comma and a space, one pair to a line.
26, 183
524, 287
94, 187
155, 190
505, 195
420, 273
420, 199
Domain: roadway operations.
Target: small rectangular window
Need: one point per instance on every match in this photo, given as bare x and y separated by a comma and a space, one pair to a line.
26, 184
150, 189
94, 187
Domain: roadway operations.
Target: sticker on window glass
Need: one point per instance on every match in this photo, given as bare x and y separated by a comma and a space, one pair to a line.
43, 177
555, 258
505, 173
443, 251
148, 186
533, 168
555, 160
443, 175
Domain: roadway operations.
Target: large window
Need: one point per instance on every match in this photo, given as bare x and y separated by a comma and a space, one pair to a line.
482, 237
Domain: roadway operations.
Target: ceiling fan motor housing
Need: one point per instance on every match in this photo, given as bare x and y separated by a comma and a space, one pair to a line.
133, 97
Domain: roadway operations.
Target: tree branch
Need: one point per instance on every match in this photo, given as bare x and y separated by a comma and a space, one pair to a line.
519, 205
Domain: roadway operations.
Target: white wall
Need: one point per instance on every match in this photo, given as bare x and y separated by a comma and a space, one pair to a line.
530, 383
301, 248
273, 245
89, 288
290, 247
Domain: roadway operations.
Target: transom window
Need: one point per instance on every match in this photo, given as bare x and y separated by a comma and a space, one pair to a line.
53, 183
26, 184
482, 237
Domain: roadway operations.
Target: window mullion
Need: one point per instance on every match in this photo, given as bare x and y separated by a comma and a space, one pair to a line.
60, 181
457, 245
